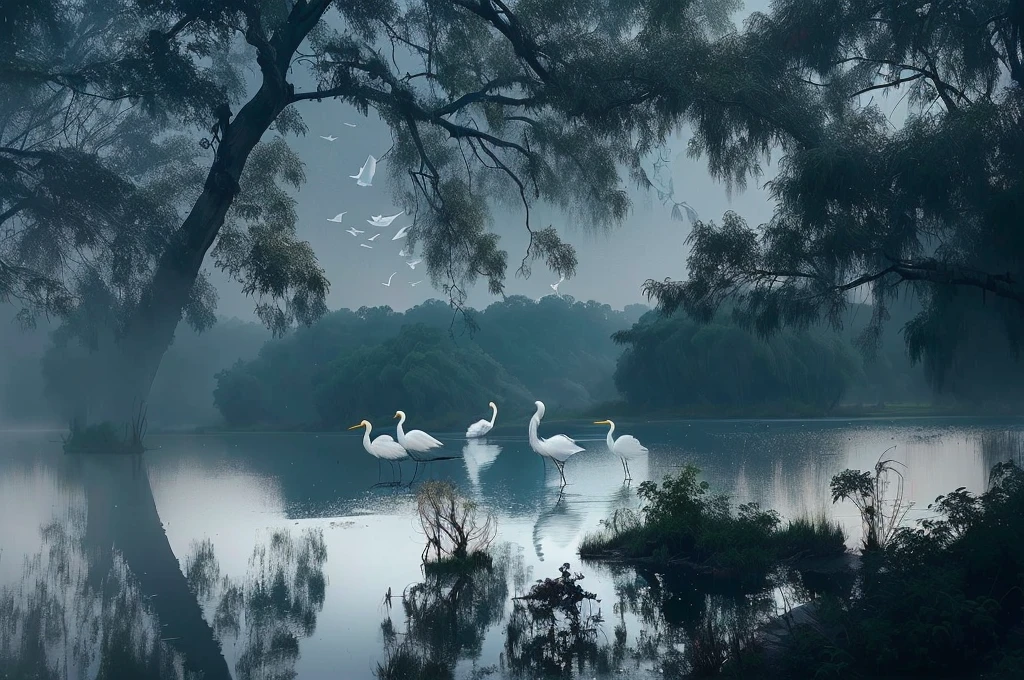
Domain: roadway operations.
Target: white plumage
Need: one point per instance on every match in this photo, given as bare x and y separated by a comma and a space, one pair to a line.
627, 447
482, 427
415, 440
383, 447
558, 448
381, 221
401, 233
365, 176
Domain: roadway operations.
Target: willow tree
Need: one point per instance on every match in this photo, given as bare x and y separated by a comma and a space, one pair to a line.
931, 206
132, 151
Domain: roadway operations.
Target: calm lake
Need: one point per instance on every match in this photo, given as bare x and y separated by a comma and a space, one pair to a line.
271, 555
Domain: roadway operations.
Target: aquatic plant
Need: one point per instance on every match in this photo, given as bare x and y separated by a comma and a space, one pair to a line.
880, 515
105, 438
455, 526
549, 633
681, 523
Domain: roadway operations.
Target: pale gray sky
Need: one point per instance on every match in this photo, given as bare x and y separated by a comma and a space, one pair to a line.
612, 266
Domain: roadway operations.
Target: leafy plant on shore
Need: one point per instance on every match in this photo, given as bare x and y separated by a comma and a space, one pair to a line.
943, 599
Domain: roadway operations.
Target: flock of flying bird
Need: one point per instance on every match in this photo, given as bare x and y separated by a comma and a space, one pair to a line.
558, 448
364, 178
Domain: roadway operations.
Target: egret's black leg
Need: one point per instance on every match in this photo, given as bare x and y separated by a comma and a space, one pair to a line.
625, 464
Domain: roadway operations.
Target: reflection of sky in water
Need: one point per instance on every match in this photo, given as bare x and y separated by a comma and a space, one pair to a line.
237, 489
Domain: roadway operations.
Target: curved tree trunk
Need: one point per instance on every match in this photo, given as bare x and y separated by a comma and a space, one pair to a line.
151, 330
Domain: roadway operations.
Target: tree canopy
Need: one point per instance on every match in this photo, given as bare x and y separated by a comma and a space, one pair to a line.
374, 361
933, 204
490, 102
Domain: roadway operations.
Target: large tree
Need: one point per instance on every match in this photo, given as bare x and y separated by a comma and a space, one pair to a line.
932, 206
131, 149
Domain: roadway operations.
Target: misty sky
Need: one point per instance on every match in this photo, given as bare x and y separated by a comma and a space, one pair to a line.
612, 266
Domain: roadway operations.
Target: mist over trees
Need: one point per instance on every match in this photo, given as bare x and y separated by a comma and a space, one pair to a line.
373, 361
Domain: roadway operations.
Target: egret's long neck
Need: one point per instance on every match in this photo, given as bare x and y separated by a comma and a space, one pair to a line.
494, 414
534, 424
611, 439
401, 430
366, 437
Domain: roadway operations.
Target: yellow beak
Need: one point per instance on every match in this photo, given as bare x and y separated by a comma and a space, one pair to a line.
601, 422
356, 426
396, 415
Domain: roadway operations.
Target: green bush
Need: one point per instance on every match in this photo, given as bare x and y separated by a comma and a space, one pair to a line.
943, 599
682, 522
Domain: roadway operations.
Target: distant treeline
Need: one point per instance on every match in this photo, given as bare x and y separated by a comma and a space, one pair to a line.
573, 355
369, 362
45, 381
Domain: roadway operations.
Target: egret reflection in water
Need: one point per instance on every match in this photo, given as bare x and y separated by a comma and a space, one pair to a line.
560, 524
478, 455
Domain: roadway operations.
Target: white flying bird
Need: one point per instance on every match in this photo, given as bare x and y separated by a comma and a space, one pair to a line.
415, 282
354, 231
388, 284
365, 176
554, 286
363, 245
349, 124
337, 218
381, 221
412, 263
404, 253
329, 138
373, 238
401, 233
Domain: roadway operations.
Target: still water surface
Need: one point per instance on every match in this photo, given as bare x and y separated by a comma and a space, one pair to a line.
270, 555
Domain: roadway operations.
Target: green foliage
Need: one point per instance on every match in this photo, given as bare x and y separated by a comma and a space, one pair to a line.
941, 600
882, 508
683, 523
676, 362
374, 360
929, 208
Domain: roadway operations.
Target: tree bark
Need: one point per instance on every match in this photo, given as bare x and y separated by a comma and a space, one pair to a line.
151, 330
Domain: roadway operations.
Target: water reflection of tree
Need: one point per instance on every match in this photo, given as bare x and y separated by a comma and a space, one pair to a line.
272, 607
61, 622
447, 617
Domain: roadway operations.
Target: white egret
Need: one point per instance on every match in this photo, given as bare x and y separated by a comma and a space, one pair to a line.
354, 231
388, 284
412, 263
627, 447
554, 286
365, 176
381, 221
363, 245
401, 233
383, 448
349, 124
373, 238
329, 138
404, 253
337, 218
482, 427
413, 284
414, 440
558, 448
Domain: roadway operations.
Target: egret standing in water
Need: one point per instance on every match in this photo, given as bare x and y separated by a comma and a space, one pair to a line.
482, 427
627, 447
558, 448
383, 448
415, 441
